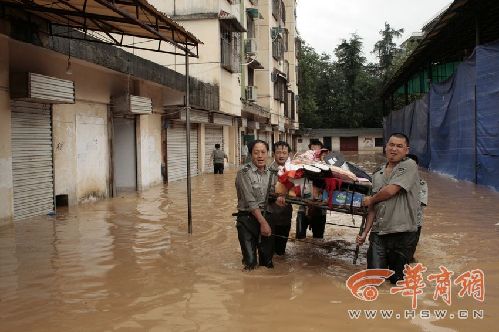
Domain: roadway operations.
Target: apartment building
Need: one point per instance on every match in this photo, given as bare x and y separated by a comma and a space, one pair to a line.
249, 53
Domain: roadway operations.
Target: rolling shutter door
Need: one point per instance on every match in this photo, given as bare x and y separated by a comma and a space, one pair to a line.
32, 163
213, 135
176, 152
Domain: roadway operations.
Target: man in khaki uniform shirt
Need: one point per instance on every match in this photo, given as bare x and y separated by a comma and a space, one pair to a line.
280, 212
253, 230
393, 210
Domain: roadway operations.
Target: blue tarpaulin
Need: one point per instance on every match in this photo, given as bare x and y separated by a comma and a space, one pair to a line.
487, 87
454, 129
452, 123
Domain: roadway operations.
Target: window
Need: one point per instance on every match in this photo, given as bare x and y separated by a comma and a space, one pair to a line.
285, 35
230, 45
378, 141
250, 27
280, 89
251, 77
277, 43
275, 9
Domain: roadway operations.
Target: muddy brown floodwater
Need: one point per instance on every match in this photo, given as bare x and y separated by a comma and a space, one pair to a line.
128, 264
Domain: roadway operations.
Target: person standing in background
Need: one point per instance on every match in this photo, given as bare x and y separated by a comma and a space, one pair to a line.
218, 157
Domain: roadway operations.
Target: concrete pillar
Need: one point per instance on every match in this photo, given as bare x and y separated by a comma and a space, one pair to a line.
232, 146
65, 150
6, 182
228, 144
202, 148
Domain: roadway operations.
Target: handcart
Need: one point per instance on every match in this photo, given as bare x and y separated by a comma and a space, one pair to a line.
326, 187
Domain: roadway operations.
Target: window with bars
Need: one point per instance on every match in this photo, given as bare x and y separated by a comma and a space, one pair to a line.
278, 48
280, 89
230, 51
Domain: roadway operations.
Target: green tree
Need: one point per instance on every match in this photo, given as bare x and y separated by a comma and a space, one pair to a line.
386, 49
310, 65
350, 65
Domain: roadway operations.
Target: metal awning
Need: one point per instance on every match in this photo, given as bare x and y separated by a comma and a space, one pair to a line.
230, 22
254, 64
113, 21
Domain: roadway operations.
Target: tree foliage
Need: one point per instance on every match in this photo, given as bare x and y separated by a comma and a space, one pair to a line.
386, 49
345, 92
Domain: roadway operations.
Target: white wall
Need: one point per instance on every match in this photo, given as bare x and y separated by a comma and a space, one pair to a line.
64, 143
92, 146
149, 151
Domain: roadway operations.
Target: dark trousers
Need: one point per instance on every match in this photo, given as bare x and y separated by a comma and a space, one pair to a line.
390, 251
218, 168
315, 220
414, 244
280, 237
248, 233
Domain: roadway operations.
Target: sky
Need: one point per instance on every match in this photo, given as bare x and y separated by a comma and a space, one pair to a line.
324, 23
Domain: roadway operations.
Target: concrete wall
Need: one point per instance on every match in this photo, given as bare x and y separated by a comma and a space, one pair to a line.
6, 191
64, 142
149, 151
81, 151
92, 146
365, 143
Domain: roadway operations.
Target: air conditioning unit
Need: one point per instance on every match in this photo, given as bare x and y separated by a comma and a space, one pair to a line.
250, 46
251, 93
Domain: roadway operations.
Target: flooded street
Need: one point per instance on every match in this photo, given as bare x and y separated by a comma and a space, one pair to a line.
128, 264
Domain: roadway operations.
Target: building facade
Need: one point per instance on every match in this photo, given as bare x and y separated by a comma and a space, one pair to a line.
249, 52
358, 140
82, 121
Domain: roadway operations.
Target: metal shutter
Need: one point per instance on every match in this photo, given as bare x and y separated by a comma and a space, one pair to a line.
176, 151
32, 165
213, 135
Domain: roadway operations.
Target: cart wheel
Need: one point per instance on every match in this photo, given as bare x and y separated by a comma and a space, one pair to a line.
301, 225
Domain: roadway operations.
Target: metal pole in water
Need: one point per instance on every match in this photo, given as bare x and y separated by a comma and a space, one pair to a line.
188, 143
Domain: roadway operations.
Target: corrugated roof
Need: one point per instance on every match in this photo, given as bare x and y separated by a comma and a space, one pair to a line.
124, 17
451, 37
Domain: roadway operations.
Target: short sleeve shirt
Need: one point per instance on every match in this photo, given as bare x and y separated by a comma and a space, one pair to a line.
218, 156
399, 213
251, 187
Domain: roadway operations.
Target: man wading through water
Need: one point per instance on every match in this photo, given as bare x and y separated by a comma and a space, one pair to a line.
253, 230
392, 210
280, 212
